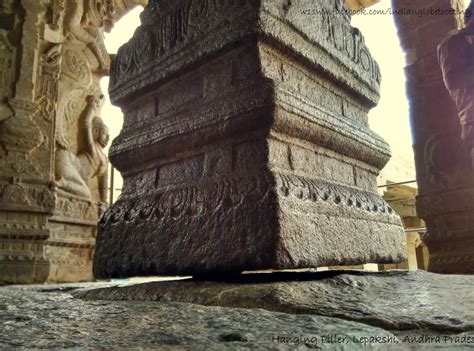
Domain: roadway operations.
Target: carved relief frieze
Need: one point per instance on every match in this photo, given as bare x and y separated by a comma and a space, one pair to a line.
307, 189
74, 171
47, 94
19, 193
71, 207
230, 193
19, 136
177, 26
53, 168
193, 201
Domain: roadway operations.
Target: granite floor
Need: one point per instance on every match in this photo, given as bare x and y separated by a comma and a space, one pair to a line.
336, 310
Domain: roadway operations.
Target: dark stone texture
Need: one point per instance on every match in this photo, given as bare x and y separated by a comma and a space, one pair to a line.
444, 170
246, 144
393, 300
410, 310
39, 317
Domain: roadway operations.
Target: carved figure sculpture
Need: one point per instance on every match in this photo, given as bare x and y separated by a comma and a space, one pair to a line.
73, 172
85, 32
456, 57
58, 8
83, 25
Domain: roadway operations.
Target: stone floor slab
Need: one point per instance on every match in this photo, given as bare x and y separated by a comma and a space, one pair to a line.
393, 300
332, 310
35, 317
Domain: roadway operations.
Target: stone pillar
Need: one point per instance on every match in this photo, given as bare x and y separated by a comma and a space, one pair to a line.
445, 178
52, 167
245, 142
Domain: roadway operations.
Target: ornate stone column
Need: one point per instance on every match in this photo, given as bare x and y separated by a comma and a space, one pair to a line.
445, 178
52, 167
246, 143
26, 198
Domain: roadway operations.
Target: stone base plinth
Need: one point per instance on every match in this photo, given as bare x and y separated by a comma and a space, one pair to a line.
247, 222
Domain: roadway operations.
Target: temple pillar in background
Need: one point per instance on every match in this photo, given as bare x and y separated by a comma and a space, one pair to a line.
444, 173
53, 171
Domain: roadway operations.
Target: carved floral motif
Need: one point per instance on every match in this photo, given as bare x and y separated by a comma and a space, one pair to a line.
206, 198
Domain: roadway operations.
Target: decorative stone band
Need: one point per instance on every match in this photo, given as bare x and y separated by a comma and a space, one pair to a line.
307, 189
177, 34
171, 133
262, 106
70, 208
22, 195
202, 199
300, 117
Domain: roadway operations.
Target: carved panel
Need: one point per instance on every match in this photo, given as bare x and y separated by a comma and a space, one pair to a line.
22, 194
202, 199
160, 36
19, 137
47, 92
446, 163
82, 61
74, 208
193, 201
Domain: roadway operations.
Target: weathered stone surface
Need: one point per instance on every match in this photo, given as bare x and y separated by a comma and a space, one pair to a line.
53, 170
414, 308
393, 300
42, 317
245, 143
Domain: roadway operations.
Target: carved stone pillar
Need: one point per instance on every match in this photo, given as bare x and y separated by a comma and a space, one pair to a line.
51, 139
245, 142
445, 178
